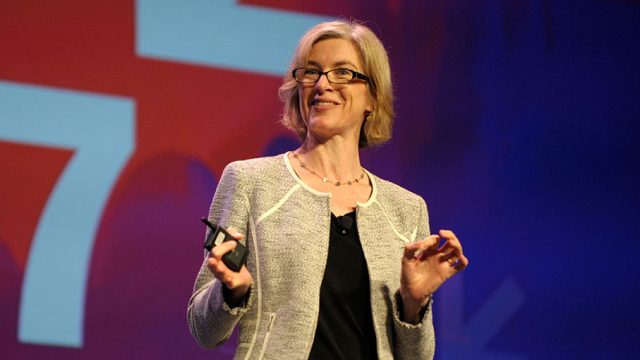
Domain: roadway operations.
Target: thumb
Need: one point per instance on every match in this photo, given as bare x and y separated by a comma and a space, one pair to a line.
231, 230
411, 249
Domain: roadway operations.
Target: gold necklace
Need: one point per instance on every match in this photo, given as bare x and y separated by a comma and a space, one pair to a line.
324, 179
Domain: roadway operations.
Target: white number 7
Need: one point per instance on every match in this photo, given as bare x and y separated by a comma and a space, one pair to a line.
100, 129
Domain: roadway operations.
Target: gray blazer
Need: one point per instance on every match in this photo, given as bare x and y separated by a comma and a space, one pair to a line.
286, 227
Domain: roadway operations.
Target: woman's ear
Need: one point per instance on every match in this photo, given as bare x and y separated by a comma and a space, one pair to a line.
362, 140
371, 104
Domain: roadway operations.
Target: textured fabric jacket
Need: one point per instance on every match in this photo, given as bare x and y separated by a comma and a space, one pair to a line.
286, 225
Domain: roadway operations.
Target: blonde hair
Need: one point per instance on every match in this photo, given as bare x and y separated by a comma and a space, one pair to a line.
377, 125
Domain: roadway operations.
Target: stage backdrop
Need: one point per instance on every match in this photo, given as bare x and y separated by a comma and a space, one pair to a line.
517, 122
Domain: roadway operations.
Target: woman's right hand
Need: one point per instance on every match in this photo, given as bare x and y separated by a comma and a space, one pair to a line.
236, 282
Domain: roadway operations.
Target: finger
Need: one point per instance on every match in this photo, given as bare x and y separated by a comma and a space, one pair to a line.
221, 272
410, 249
452, 243
432, 241
450, 258
428, 245
217, 267
415, 249
447, 234
457, 261
231, 230
229, 281
223, 248
462, 263
453, 262
450, 250
448, 253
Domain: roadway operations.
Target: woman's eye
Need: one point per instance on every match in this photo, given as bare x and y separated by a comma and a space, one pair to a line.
310, 71
342, 72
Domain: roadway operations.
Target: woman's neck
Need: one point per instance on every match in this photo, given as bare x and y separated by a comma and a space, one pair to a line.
335, 159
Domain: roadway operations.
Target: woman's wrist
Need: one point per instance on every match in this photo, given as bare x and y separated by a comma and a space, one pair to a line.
235, 297
412, 310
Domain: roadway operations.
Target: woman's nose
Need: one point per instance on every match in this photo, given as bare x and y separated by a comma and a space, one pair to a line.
323, 83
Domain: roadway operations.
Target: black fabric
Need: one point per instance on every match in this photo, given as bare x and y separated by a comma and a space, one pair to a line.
345, 325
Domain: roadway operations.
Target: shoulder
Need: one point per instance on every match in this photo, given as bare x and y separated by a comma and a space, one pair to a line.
261, 166
264, 173
391, 194
404, 208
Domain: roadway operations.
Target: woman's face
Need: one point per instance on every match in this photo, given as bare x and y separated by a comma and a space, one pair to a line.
334, 109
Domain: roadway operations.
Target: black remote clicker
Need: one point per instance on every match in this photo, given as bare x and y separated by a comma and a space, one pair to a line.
234, 259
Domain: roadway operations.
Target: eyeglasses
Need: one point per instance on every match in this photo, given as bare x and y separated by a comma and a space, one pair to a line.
335, 76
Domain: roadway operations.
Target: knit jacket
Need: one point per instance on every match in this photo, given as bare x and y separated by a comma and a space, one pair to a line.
286, 225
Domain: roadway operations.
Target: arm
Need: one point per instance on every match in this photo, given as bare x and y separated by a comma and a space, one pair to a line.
211, 319
415, 339
426, 265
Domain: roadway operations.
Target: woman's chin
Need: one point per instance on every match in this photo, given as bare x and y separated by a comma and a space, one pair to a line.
321, 123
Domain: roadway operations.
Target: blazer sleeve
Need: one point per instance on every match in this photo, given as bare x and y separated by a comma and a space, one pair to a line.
211, 320
415, 341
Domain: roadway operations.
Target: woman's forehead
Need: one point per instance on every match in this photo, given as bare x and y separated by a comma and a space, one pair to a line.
334, 52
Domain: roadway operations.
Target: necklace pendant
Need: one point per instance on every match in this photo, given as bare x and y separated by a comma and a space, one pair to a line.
325, 179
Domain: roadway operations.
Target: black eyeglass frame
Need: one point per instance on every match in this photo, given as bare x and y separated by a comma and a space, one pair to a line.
354, 75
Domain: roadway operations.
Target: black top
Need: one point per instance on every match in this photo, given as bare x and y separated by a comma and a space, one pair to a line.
345, 324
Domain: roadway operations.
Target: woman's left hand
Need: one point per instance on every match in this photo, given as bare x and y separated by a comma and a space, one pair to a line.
426, 266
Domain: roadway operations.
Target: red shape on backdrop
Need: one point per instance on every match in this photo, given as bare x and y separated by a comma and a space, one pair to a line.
180, 108
185, 114
28, 175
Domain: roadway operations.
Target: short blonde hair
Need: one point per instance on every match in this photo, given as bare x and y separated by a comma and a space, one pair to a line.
377, 126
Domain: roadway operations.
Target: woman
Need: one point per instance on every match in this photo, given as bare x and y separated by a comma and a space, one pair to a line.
341, 262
